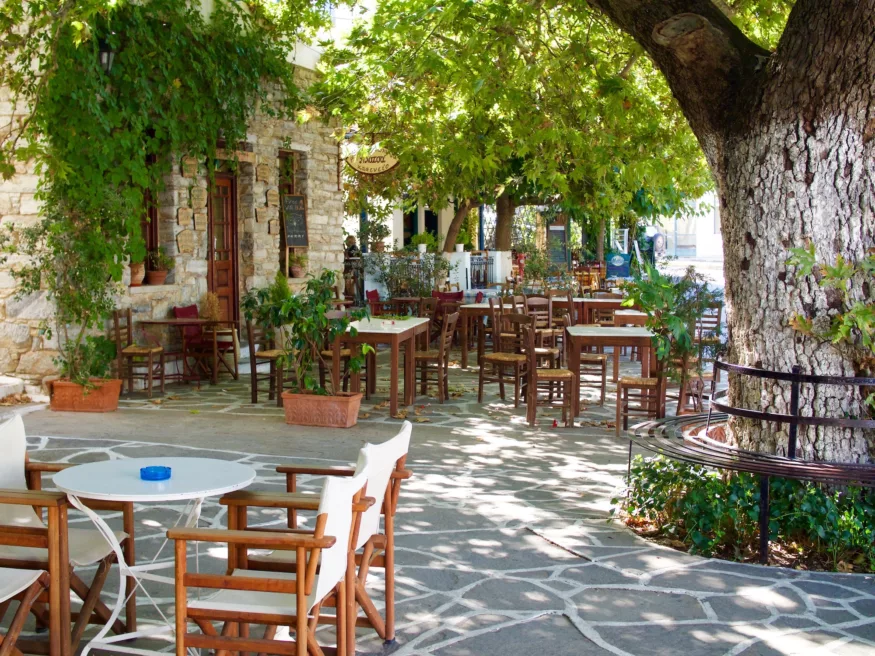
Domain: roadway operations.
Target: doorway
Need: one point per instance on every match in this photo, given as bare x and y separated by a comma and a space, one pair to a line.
222, 251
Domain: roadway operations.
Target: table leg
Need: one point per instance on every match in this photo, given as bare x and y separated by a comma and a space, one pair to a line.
463, 332
393, 376
335, 365
215, 376
410, 371
355, 377
616, 357
646, 354
574, 366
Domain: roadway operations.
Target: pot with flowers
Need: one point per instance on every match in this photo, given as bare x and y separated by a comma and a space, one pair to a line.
160, 264
308, 326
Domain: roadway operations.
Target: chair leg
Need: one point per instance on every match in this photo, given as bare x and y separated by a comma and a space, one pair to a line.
516, 387
149, 372
620, 390
89, 602
279, 385
26, 601
604, 381
440, 383
423, 379
163, 363
480, 384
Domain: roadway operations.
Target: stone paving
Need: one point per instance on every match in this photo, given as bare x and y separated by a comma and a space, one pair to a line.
504, 541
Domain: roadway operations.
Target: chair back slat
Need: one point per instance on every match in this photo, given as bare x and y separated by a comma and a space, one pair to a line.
513, 340
381, 460
528, 345
709, 323
447, 331
13, 442
540, 307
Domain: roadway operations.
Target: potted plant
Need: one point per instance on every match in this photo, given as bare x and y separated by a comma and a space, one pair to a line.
67, 261
298, 265
425, 242
306, 329
374, 233
159, 266
138, 270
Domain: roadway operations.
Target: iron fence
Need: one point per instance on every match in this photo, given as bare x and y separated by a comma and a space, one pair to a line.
482, 272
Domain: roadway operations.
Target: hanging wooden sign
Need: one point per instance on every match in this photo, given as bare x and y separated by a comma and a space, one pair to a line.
295, 220
273, 198
184, 216
189, 167
198, 197
262, 172
185, 242
375, 162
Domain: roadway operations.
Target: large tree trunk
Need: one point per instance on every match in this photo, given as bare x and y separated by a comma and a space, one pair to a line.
600, 245
504, 209
790, 138
456, 224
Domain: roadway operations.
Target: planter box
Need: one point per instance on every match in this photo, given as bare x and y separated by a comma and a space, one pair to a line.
72, 397
340, 411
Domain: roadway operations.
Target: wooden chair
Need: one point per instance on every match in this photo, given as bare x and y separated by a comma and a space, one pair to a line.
708, 328
544, 380
541, 308
24, 586
262, 350
375, 305
640, 397
507, 339
66, 549
375, 547
130, 355
592, 364
324, 575
437, 362
201, 343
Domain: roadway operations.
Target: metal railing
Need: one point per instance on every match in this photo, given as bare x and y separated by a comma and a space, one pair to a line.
482, 272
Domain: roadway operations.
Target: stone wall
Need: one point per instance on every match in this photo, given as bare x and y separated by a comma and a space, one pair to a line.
182, 216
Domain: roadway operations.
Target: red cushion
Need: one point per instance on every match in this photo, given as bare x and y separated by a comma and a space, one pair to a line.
479, 297
372, 295
192, 333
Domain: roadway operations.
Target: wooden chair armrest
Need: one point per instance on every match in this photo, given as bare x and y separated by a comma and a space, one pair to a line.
36, 498
96, 504
403, 475
251, 538
283, 500
52, 467
316, 471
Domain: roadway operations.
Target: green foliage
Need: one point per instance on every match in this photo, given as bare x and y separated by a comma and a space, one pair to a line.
298, 259
92, 358
408, 275
74, 255
306, 326
673, 305
718, 513
432, 242
539, 100
850, 327
374, 230
159, 260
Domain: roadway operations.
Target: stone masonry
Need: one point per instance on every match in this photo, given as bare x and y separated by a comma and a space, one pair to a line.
182, 216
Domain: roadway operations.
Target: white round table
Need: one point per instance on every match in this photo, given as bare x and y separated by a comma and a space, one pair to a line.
191, 479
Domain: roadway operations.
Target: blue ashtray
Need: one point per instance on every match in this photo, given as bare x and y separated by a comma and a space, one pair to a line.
155, 473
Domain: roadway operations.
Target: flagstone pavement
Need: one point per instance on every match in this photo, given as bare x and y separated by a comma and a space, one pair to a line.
505, 545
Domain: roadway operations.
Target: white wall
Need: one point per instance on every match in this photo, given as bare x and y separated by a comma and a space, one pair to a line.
709, 241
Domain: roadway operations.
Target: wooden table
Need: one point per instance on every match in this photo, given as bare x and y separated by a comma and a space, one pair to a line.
402, 304
590, 304
468, 312
402, 332
181, 324
629, 318
562, 304
579, 337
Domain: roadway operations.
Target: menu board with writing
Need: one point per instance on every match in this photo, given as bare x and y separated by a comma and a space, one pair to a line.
295, 220
557, 244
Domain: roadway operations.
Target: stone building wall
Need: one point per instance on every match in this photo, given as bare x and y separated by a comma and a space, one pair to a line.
182, 216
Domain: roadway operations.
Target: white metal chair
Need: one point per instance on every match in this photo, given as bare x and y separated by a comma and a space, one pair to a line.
386, 467
86, 547
323, 573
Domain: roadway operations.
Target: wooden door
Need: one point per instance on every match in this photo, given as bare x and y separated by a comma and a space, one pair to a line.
222, 257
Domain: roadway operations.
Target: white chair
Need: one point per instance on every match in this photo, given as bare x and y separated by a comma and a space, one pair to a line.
86, 547
323, 572
386, 463
24, 586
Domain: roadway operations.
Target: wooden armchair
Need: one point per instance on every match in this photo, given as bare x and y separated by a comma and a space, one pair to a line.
375, 547
24, 586
322, 575
82, 548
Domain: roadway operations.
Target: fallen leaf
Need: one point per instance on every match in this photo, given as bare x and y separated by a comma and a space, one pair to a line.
402, 414
156, 401
422, 420
194, 412
364, 415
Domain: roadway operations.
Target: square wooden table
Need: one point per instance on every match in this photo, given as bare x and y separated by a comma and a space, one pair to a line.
629, 318
397, 333
467, 313
591, 304
188, 372
561, 303
580, 337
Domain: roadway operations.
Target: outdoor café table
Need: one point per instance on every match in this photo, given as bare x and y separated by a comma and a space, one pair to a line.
395, 333
590, 304
187, 372
466, 313
580, 337
629, 318
561, 303
191, 480
405, 304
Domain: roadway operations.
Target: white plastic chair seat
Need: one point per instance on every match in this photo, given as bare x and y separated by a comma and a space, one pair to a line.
87, 547
248, 601
13, 581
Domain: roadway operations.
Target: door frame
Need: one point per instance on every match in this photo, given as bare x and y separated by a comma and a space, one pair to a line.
235, 263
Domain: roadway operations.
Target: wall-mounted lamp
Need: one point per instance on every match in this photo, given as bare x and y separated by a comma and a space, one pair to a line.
106, 54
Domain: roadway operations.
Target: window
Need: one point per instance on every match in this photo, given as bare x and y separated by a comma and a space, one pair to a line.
149, 224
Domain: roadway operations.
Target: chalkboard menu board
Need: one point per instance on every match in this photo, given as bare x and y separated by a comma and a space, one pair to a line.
619, 265
295, 220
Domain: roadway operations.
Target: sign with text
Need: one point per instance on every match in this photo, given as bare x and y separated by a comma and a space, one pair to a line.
619, 265
374, 162
295, 220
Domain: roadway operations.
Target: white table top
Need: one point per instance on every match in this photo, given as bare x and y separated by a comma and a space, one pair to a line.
476, 306
630, 313
608, 331
119, 480
384, 326
603, 300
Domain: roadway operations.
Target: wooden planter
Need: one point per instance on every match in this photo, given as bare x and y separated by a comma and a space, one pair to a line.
72, 397
340, 411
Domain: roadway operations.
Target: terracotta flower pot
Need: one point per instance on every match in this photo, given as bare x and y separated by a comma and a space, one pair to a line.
138, 272
297, 271
378, 246
72, 397
340, 411
156, 277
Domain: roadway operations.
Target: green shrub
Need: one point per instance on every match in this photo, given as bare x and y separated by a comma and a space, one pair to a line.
717, 513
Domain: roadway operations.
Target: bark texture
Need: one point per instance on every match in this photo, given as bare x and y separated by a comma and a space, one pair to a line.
504, 210
600, 245
456, 224
790, 138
